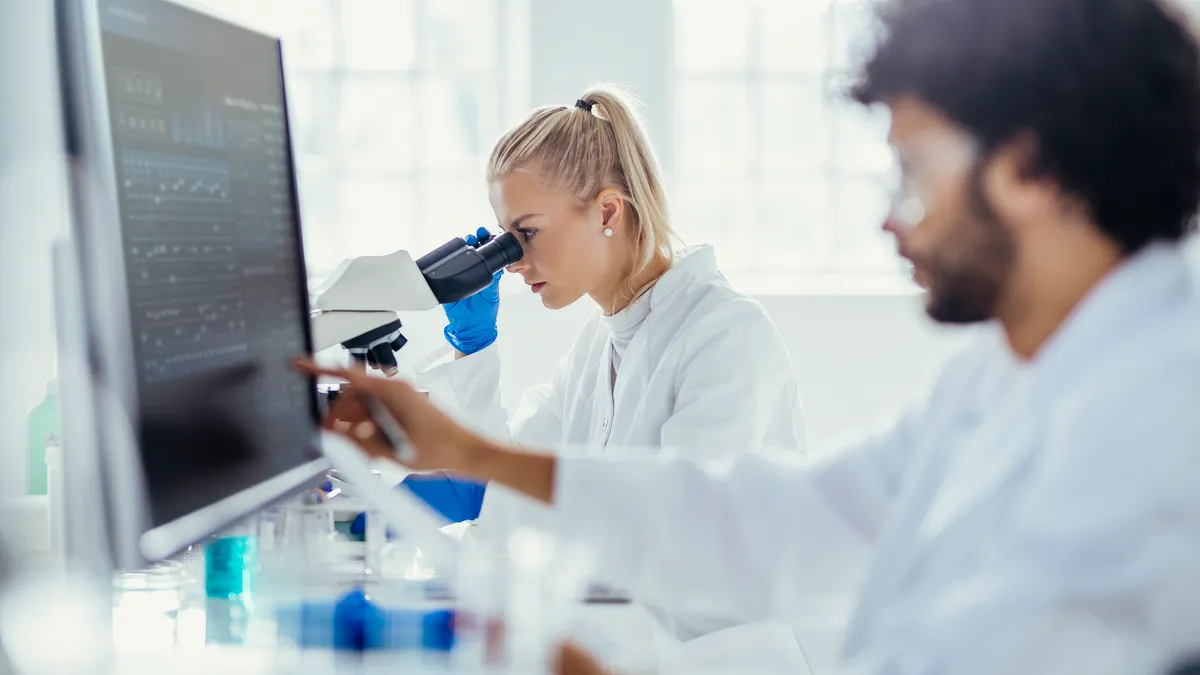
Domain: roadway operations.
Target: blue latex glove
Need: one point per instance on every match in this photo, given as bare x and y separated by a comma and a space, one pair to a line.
455, 499
472, 326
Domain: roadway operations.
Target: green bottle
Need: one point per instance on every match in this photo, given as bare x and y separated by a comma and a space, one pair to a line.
42, 423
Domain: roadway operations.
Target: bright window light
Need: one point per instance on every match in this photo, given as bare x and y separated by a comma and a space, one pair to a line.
772, 162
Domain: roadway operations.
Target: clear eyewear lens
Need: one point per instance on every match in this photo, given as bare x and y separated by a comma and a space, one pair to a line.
932, 159
908, 211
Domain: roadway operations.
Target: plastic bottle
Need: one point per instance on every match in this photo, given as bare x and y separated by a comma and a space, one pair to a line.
41, 424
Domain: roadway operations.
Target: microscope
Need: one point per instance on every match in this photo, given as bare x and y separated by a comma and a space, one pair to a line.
358, 306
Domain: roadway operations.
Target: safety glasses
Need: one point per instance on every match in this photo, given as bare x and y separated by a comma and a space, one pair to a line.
922, 166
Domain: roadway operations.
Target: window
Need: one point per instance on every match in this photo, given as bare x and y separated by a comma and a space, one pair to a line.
394, 106
771, 162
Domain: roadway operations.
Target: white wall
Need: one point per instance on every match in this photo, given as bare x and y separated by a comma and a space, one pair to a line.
574, 45
856, 357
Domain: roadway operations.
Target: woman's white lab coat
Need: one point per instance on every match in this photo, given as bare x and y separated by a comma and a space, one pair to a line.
1038, 517
706, 373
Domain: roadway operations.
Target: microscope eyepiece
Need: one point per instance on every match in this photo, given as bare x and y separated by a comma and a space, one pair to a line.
501, 252
456, 270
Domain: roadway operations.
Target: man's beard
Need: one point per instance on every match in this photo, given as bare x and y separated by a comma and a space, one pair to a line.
968, 276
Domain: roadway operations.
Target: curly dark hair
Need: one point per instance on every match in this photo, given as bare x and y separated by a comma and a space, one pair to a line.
1109, 89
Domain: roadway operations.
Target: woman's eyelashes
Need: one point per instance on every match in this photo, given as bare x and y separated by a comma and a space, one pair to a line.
526, 233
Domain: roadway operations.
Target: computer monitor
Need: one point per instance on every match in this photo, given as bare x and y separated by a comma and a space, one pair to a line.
192, 281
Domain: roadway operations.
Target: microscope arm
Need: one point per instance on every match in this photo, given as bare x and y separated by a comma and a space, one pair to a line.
364, 294
362, 299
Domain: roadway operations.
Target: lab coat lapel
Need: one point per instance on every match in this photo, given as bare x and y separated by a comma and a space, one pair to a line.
969, 459
630, 388
982, 467
634, 379
897, 551
602, 411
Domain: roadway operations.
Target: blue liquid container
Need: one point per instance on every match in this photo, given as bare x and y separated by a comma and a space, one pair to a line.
230, 566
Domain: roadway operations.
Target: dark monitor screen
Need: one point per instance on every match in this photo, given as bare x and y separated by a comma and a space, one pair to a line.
210, 234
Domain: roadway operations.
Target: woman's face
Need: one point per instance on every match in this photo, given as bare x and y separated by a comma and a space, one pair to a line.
566, 252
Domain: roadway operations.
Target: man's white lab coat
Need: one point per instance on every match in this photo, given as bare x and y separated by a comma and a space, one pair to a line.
1039, 517
707, 371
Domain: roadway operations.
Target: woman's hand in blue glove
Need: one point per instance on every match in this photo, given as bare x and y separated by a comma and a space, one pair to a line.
472, 326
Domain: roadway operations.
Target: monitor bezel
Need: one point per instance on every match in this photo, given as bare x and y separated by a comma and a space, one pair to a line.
96, 228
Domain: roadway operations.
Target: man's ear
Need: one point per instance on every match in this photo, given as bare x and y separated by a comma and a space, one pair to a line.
1014, 189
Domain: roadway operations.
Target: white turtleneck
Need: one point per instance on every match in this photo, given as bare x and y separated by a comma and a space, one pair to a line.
624, 325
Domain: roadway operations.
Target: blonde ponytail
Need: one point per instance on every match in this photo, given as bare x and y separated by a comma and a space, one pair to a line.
597, 144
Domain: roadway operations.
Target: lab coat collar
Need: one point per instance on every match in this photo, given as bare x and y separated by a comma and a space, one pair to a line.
690, 263
1141, 286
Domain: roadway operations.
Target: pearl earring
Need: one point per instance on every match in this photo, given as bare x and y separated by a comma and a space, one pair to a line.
608, 231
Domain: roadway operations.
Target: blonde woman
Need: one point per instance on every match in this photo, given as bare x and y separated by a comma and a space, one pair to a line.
675, 358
